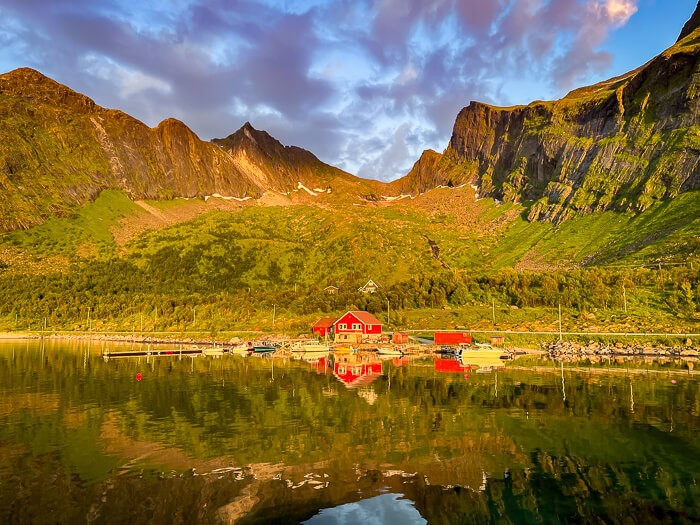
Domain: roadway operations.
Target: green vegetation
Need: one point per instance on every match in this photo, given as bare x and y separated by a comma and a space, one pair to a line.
224, 271
88, 232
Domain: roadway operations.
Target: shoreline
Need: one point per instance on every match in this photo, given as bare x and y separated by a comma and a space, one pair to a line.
560, 350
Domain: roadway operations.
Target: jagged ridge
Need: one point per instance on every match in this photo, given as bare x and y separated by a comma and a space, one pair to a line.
59, 150
621, 144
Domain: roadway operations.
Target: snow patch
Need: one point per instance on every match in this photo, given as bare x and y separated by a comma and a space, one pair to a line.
476, 191
397, 197
226, 198
307, 190
451, 187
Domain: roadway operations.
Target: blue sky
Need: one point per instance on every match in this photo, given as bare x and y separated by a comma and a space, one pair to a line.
365, 85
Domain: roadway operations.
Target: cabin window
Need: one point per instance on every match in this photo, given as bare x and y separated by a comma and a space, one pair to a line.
342, 326
356, 326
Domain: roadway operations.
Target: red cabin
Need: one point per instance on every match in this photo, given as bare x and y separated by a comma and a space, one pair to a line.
357, 327
399, 338
453, 338
323, 327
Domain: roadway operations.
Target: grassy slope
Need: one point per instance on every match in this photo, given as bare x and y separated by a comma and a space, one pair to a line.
88, 233
280, 247
388, 244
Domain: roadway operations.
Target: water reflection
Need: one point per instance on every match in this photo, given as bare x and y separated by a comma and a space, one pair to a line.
248, 440
379, 510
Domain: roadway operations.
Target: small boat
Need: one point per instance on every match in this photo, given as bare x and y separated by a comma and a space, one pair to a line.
343, 349
389, 351
263, 349
316, 348
449, 350
242, 349
310, 348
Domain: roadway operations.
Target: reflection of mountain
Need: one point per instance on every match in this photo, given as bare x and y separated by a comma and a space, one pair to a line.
356, 374
215, 439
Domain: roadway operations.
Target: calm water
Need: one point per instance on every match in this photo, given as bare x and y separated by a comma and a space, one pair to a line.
252, 440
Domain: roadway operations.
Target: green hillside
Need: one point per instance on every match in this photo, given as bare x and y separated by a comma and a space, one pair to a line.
232, 266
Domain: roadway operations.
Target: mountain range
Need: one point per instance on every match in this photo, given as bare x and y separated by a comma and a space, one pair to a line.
624, 145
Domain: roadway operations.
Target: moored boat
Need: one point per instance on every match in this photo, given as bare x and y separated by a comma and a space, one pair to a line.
390, 351
343, 350
263, 349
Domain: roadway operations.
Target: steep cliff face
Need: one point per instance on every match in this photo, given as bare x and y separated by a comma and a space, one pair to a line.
621, 144
59, 150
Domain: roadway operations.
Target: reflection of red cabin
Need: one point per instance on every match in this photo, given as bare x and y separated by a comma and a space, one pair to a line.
323, 327
354, 375
450, 365
357, 327
453, 338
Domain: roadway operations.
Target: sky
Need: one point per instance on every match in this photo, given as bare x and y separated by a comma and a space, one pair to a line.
365, 85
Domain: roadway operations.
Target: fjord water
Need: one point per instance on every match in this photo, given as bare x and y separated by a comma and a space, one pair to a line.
253, 440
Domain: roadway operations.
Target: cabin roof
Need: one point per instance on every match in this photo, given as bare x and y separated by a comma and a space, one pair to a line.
325, 322
364, 317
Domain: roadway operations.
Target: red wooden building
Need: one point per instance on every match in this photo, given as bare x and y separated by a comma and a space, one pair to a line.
323, 327
453, 338
399, 338
357, 327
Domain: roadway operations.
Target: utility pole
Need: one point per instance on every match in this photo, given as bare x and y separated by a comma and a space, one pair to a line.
274, 311
624, 297
88, 320
560, 321
194, 316
493, 310
387, 311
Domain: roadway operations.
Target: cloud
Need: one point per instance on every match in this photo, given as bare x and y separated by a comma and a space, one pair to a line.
366, 85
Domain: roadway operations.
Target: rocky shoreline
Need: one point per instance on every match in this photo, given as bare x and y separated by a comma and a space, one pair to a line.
563, 350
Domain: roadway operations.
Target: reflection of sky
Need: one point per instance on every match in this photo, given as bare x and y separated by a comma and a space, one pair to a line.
380, 510
364, 85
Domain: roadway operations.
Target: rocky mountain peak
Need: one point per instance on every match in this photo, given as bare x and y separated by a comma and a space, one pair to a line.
692, 24
31, 84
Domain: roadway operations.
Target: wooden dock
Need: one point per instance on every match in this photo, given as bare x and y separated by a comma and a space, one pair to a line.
163, 352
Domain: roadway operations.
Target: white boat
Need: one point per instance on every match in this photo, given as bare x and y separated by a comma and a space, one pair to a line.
389, 351
316, 348
310, 348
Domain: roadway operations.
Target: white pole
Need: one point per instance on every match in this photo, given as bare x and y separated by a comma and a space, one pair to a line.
560, 321
274, 311
493, 310
387, 311
624, 297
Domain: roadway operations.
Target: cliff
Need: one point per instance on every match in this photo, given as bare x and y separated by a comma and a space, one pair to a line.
621, 144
